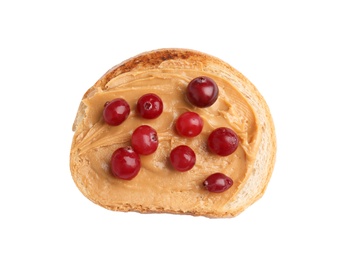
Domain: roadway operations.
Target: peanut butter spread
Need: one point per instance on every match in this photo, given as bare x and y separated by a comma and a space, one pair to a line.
157, 182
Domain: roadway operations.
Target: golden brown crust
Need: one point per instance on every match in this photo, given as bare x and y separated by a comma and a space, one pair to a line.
256, 184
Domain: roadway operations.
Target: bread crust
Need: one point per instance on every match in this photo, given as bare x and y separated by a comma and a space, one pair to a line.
255, 185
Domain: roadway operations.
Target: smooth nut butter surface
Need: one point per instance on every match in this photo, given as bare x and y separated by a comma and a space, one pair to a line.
157, 181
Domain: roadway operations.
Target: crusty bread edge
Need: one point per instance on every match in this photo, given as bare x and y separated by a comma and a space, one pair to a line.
151, 60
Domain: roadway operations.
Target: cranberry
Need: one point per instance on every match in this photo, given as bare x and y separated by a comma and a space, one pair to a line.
182, 158
202, 91
150, 106
116, 111
189, 124
223, 141
125, 163
218, 182
144, 140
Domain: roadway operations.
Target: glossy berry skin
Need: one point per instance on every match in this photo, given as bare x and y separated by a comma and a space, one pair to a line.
223, 141
125, 163
218, 182
150, 106
116, 111
202, 91
189, 124
182, 158
144, 140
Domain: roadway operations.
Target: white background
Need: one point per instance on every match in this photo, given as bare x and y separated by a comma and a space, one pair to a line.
53, 51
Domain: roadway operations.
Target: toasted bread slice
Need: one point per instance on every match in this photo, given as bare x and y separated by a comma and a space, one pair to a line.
158, 188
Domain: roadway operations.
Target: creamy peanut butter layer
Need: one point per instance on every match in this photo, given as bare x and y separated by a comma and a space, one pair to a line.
97, 141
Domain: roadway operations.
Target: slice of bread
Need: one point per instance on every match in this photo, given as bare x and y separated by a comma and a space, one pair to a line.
158, 188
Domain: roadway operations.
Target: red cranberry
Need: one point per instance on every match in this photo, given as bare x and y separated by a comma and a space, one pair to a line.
125, 163
116, 111
218, 182
223, 141
189, 124
144, 140
202, 91
150, 106
182, 158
